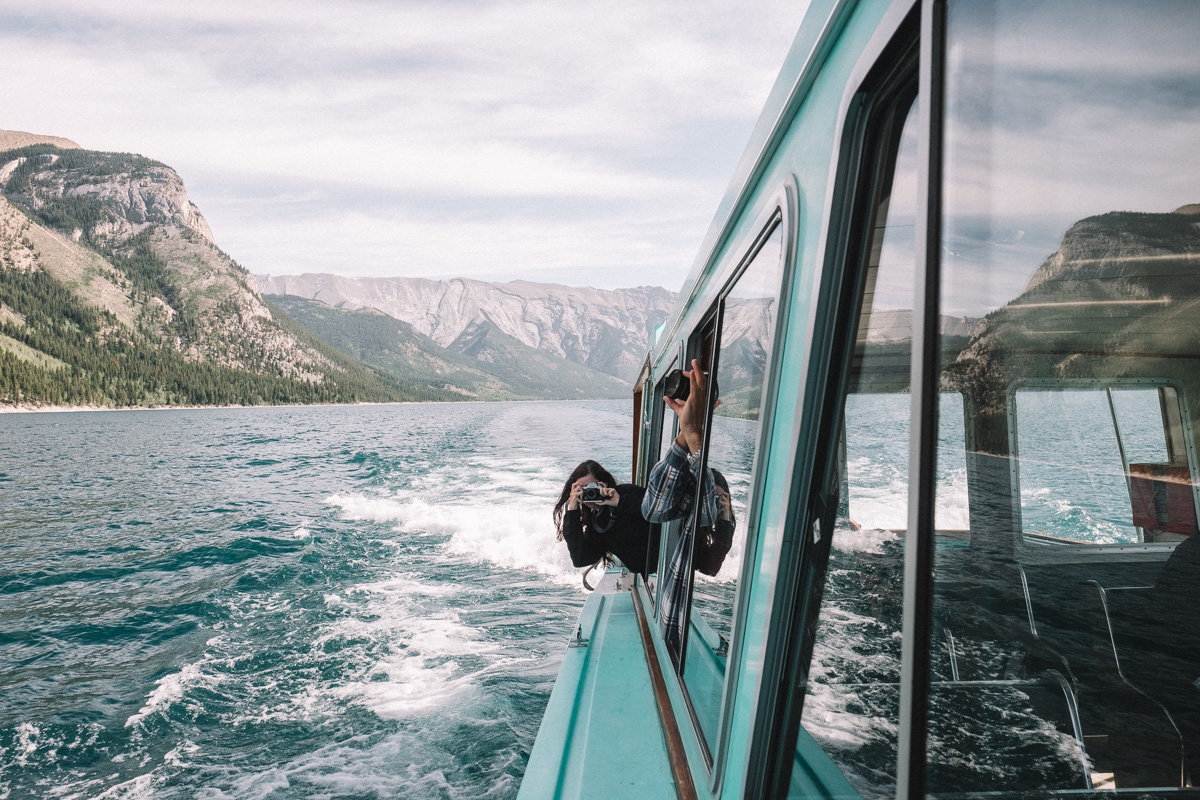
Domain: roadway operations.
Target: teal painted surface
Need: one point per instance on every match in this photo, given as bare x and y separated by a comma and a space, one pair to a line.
807, 153
704, 674
601, 736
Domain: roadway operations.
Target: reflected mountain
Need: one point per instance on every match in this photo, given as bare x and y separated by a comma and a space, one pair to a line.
1118, 297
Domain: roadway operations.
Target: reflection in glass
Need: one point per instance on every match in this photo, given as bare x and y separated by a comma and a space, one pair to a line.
1071, 255
747, 338
666, 530
1077, 437
851, 708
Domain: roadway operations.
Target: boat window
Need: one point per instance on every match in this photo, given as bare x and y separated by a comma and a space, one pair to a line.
1065, 642
874, 461
1091, 462
676, 564
851, 707
666, 421
747, 335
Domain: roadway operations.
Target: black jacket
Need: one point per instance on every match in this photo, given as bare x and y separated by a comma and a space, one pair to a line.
624, 534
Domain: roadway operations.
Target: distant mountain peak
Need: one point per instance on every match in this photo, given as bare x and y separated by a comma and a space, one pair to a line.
607, 330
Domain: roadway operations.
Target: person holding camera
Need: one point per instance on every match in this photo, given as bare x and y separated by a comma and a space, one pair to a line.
600, 520
670, 494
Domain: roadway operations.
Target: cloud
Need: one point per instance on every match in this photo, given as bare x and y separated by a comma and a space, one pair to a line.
627, 118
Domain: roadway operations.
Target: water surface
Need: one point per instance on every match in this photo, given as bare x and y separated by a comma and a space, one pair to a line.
362, 601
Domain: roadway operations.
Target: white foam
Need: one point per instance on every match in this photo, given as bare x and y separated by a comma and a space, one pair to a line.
402, 764
302, 533
170, 689
864, 540
360, 507
423, 668
139, 788
26, 744
508, 529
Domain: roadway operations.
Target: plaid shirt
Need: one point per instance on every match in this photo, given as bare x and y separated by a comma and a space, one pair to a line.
670, 493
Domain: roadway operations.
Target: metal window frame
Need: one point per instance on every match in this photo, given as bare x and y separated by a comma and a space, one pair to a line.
780, 215
776, 720
917, 625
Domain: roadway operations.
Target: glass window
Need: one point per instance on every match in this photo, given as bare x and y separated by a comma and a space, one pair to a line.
677, 564
667, 431
1071, 256
747, 334
1102, 443
851, 709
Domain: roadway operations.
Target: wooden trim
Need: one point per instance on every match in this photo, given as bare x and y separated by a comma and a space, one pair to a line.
685, 789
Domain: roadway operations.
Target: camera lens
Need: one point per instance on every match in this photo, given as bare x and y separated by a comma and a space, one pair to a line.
677, 386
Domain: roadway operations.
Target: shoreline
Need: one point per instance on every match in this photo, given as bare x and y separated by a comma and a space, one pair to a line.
31, 409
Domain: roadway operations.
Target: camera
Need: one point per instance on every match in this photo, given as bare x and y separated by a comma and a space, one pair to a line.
591, 493
677, 386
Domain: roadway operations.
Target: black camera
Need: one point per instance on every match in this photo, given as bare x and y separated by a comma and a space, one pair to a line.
591, 493
677, 386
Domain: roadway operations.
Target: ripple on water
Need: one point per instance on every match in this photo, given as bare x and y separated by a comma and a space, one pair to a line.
329, 602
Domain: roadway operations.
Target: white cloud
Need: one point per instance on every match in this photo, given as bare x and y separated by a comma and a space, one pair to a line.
628, 118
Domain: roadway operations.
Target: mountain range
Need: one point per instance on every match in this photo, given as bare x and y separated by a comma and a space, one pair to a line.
113, 292
605, 330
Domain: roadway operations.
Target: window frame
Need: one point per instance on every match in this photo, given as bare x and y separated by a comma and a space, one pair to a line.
781, 214
661, 418
797, 592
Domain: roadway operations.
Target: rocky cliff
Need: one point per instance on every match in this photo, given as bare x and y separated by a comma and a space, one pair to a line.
1112, 299
109, 273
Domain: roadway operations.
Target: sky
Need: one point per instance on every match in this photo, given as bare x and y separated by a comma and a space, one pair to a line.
586, 143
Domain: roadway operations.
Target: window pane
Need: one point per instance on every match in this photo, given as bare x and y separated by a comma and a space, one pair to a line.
666, 530
1067, 438
747, 338
1065, 635
851, 707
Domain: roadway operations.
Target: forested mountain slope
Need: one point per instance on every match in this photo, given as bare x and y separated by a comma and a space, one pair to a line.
113, 293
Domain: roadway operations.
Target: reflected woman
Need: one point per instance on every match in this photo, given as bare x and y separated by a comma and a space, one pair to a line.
607, 527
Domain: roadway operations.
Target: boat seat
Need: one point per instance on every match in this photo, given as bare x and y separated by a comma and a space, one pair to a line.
1130, 732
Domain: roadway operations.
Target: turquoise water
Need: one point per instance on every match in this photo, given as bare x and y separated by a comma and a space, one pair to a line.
321, 602
369, 601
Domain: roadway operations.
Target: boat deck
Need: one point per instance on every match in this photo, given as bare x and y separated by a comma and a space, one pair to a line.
597, 739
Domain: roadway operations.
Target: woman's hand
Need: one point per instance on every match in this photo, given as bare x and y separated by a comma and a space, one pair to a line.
574, 500
724, 506
611, 498
691, 412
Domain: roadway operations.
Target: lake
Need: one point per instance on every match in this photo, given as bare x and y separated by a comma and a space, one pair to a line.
350, 601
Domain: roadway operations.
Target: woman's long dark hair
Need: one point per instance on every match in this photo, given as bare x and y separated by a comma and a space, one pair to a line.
586, 468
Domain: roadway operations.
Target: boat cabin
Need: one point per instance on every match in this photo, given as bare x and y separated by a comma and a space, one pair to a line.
950, 308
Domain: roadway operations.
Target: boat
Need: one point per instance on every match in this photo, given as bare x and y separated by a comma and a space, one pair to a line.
952, 302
